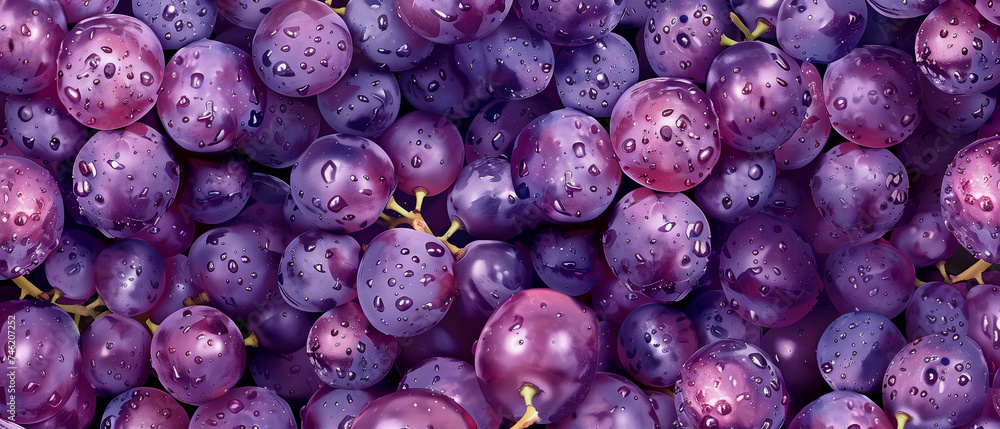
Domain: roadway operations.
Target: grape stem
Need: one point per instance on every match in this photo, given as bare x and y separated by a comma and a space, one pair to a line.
420, 193
152, 326
339, 10
762, 27
29, 289
901, 419
251, 340
944, 273
528, 392
973, 272
417, 221
201, 298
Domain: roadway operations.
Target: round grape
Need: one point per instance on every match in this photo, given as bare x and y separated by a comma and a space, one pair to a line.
572, 24
483, 199
289, 375
42, 129
842, 410
653, 343
413, 408
31, 212
495, 127
31, 31
334, 406
968, 192
738, 187
613, 402
319, 270
855, 350
427, 152
245, 407
178, 22
450, 22
512, 62
381, 35
364, 103
821, 31
568, 259
682, 38
936, 308
714, 319
592, 77
346, 351
436, 85
457, 380
870, 276
115, 351
145, 407
958, 62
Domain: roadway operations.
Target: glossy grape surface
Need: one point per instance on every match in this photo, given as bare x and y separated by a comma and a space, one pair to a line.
31, 31
654, 342
451, 23
346, 351
485, 201
855, 350
958, 61
969, 193
31, 213
115, 351
682, 37
413, 408
42, 128
243, 407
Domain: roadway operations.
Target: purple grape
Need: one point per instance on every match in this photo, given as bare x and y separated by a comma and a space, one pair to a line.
861, 192
511, 62
714, 319
821, 31
129, 275
122, 53
198, 354
380, 35
681, 38
936, 381
211, 99
278, 326
145, 407
451, 23
870, 276
730, 384
78, 10
457, 380
290, 125
688, 134
77, 412
115, 351
738, 187
842, 410
31, 32
925, 240
364, 103
957, 114
607, 353
936, 308
613, 402
237, 267
289, 375
855, 350
137, 156
246, 13
329, 406
436, 85
568, 259
657, 244
178, 285
483, 199
592, 77
214, 190
566, 188
172, 234
754, 115
318, 270
342, 183
31, 210
968, 192
495, 127
929, 149
663, 408
988, 419
70, 267
236, 36
571, 24
982, 309
793, 349
42, 129
243, 407
421, 139
958, 62
613, 301
807, 143
653, 343
301, 67
268, 197
346, 351
488, 273
178, 22
454, 338
904, 8
413, 408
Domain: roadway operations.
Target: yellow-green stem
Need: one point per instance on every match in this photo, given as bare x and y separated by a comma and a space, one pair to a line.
530, 416
901, 419
944, 273
394, 206
973, 272
420, 193
251, 340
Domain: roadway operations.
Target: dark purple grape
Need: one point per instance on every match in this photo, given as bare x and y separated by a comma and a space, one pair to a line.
31, 211
956, 48
861, 192
198, 354
657, 244
988, 419
968, 192
42, 129
870, 276
246, 13
494, 129
842, 410
681, 38
929, 149
346, 351
178, 22
31, 32
78, 10
457, 380
904, 8
437, 85
115, 351
77, 412
730, 384
289, 375
613, 402
278, 326
983, 310
364, 103
566, 188
925, 240
454, 337
568, 259
329, 406
855, 350
452, 23
821, 31
236, 36
319, 269
245, 407
936, 381
122, 53
511, 62
483, 199
713, 319
739, 186
653, 343
290, 125
211, 100
754, 114
427, 152
488, 273
172, 234
178, 285
301, 66
237, 266
145, 407
681, 125
592, 77
413, 408
663, 408
607, 353
268, 197
957, 113
793, 349
214, 190
807, 143
406, 282
542, 339
70, 267
613, 301
381, 35
572, 24
342, 183
936, 308
124, 180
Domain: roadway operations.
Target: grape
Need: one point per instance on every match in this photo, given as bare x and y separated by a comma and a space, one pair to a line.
31, 31
968, 192
592, 77
77, 412
607, 353
70, 267
543, 339
483, 199
755, 115
329, 406
301, 67
145, 407
42, 358
924, 240
568, 259
289, 375
730, 384
981, 307
489, 272
842, 410
78, 10
451, 23
929, 149
572, 24
333, 341
42, 129
903, 8
772, 282
428, 140
613, 301
679, 243
318, 270
566, 188
871, 276
807, 143
216, 189
245, 406
236, 36
936, 381
512, 62
406, 282
290, 125
988, 419
690, 140
413, 408
129, 275
246, 13
495, 127
115, 351
437, 85
714, 319
958, 62
788, 202
653, 343
211, 100
453, 337
178, 22
822, 31
31, 208
663, 408
278, 326
456, 380
364, 103
268, 196
381, 36
122, 53
138, 156
339, 172
613, 402
957, 114
172, 234
178, 284
879, 185
682, 38
855, 350
198, 354
739, 186
936, 308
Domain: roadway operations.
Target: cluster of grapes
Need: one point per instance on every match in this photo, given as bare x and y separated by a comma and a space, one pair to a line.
486, 214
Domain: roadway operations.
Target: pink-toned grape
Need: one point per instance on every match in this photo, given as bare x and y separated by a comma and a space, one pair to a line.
115, 351
364, 103
30, 31
42, 129
31, 213
289, 375
681, 38
457, 380
426, 150
982, 309
969, 194
414, 408
78, 10
245, 407
381, 35
177, 22
451, 22
956, 48
346, 351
